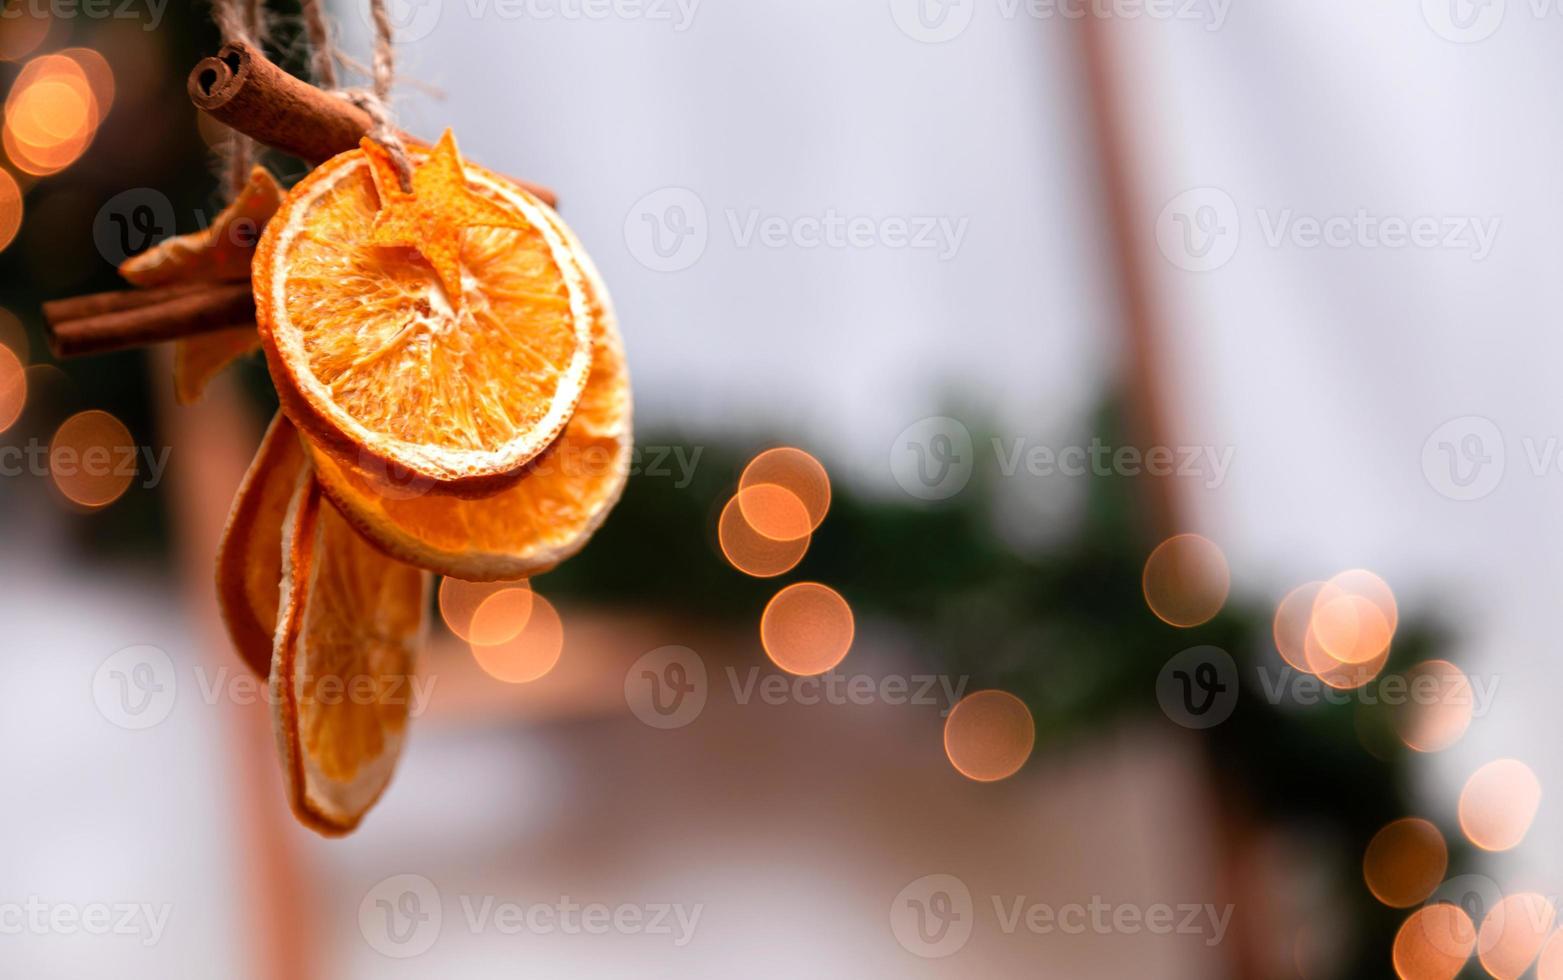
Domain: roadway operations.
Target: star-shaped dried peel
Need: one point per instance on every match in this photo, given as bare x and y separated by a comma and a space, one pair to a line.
221, 253
434, 216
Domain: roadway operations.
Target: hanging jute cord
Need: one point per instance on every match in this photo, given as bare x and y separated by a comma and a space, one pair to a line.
240, 20
374, 100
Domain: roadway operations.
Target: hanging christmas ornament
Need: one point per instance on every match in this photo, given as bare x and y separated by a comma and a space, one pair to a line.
454, 394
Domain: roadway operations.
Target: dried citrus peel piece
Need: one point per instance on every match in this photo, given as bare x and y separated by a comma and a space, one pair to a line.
350, 626
249, 558
382, 363
220, 253
198, 360
434, 215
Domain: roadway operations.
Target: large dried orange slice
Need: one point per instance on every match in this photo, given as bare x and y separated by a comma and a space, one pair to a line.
249, 559
533, 525
347, 638
220, 253
444, 330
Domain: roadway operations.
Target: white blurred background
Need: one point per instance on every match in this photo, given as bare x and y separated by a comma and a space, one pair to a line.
1335, 372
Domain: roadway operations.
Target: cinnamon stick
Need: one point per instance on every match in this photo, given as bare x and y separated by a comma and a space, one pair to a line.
122, 320
117, 301
242, 89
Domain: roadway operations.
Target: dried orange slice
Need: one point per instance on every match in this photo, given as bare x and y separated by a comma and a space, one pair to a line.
347, 638
221, 253
249, 559
445, 331
533, 525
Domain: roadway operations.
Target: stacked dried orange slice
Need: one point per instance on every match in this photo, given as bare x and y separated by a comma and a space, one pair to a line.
454, 400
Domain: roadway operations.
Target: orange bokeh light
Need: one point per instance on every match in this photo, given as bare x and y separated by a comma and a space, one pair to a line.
501, 617
989, 735
751, 552
1512, 934
51, 115
1440, 708
1361, 582
13, 387
1340, 676
774, 512
1434, 943
92, 458
460, 601
1350, 628
795, 471
1404, 862
11, 209
1498, 803
22, 30
1186, 580
12, 333
531, 653
807, 628
1290, 629
100, 76
1549, 965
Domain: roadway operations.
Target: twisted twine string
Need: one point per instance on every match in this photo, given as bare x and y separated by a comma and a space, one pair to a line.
374, 100
240, 20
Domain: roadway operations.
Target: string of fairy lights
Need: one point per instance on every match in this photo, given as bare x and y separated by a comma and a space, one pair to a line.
1341, 631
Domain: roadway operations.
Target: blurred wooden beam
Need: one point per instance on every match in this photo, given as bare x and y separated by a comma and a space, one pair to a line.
1145, 365
212, 446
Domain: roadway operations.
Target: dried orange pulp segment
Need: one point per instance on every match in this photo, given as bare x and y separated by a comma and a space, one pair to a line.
383, 363
347, 639
249, 559
222, 252
536, 523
